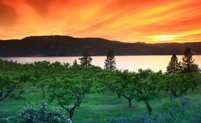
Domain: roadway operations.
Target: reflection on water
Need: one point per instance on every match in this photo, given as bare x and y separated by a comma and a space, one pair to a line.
132, 63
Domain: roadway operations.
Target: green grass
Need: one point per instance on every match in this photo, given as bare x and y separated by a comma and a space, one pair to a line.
95, 108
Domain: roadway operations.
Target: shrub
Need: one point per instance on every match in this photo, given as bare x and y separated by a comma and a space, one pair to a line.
5, 120
41, 115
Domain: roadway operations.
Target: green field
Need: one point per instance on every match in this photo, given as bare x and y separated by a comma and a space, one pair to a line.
107, 107
44, 92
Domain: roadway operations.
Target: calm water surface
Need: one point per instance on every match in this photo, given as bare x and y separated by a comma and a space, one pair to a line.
131, 63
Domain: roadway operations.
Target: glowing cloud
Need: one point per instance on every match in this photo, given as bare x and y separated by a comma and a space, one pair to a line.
126, 20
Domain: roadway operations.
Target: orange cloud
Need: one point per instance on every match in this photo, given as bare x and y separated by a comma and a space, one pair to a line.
126, 20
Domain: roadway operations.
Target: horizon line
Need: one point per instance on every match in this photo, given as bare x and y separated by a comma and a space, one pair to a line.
93, 37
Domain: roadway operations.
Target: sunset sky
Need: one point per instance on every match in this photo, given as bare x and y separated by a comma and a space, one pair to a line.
124, 20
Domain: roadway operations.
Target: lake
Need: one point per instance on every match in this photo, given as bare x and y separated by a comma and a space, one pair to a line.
131, 63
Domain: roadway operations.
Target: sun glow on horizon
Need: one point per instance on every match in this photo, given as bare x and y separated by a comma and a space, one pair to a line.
162, 38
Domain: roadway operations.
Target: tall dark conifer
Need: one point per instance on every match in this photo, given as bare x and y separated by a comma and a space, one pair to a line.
188, 62
75, 62
86, 59
174, 66
110, 63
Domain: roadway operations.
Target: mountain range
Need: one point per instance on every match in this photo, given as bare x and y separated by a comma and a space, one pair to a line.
71, 46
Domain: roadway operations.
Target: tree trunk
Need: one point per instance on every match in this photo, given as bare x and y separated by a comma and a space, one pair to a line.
78, 105
192, 89
170, 94
113, 90
173, 94
148, 107
43, 90
3, 97
129, 103
71, 113
119, 95
6, 93
83, 94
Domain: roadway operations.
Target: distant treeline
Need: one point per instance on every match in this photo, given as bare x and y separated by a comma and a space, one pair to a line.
70, 46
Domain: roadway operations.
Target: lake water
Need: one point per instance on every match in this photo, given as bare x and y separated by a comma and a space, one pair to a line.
131, 63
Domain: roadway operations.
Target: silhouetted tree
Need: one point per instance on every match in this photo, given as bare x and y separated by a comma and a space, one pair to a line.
110, 61
174, 66
188, 62
75, 62
86, 59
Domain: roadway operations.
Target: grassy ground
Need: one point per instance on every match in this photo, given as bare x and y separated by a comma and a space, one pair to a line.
95, 108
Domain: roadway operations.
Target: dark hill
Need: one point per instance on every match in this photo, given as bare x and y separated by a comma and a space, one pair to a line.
70, 46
